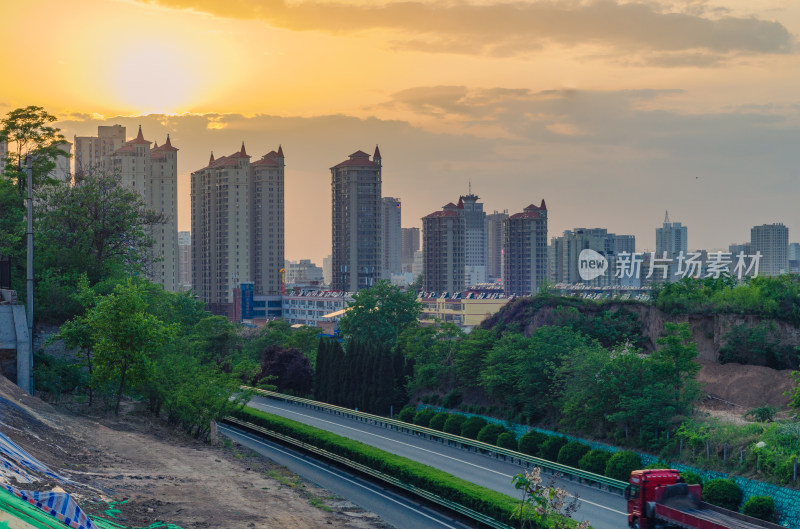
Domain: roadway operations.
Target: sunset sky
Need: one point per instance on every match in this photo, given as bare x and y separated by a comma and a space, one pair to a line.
611, 111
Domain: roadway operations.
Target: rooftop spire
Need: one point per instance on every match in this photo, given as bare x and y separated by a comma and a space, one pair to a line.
543, 206
280, 151
211, 160
139, 136
666, 216
243, 151
155, 145
377, 155
169, 143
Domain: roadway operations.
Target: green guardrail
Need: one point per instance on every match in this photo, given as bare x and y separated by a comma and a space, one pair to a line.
453, 506
571, 472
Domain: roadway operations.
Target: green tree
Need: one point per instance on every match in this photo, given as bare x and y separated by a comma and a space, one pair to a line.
126, 338
379, 314
675, 362
96, 226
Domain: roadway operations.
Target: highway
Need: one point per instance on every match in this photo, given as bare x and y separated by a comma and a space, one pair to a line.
393, 509
603, 509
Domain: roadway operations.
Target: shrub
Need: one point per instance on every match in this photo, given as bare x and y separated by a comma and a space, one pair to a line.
454, 423
423, 417
723, 493
762, 507
594, 461
507, 440
692, 478
530, 442
571, 453
765, 413
472, 427
452, 399
549, 448
407, 414
438, 420
489, 433
621, 464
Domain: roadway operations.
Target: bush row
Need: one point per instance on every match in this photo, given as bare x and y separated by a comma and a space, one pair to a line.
494, 504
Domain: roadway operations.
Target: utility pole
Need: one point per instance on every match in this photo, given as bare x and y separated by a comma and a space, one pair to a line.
29, 303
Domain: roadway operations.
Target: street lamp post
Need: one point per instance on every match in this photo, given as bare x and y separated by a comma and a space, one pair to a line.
29, 304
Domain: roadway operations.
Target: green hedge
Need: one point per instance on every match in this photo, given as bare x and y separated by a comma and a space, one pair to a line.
621, 464
762, 507
571, 453
407, 414
723, 493
489, 433
423, 417
437, 421
507, 440
491, 503
472, 427
595, 461
530, 442
454, 423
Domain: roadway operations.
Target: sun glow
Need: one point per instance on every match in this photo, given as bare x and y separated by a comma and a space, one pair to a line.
155, 77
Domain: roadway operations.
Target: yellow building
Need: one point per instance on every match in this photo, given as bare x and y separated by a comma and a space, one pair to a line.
467, 310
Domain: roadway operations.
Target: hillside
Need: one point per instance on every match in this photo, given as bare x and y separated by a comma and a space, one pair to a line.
746, 385
152, 474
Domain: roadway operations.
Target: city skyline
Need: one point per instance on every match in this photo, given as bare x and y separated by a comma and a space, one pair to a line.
613, 111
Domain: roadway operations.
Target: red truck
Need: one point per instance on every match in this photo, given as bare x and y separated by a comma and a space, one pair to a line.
660, 498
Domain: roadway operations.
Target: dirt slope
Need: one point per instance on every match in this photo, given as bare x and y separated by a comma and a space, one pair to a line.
164, 475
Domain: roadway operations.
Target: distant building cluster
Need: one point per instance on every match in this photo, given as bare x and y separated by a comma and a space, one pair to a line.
465, 261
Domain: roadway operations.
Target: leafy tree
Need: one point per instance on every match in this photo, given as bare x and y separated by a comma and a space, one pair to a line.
761, 507
454, 423
288, 368
723, 493
507, 440
126, 338
489, 433
571, 453
96, 226
472, 426
469, 358
594, 461
438, 421
433, 349
379, 314
621, 464
530, 442
675, 363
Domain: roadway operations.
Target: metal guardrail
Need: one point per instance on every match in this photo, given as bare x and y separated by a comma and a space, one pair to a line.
453, 506
570, 472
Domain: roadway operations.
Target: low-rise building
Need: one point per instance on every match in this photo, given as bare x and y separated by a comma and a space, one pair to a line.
465, 309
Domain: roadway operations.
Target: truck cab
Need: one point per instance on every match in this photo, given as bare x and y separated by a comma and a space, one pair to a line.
645, 488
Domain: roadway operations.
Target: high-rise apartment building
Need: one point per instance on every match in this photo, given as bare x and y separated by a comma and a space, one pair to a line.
443, 248
476, 237
3, 155
237, 227
185, 260
356, 222
153, 173
494, 257
566, 249
772, 240
671, 241
392, 237
409, 245
525, 255
94, 153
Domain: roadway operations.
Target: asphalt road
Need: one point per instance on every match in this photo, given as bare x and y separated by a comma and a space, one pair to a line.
393, 509
603, 509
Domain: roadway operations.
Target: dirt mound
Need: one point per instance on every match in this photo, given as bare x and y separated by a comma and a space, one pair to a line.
747, 386
145, 472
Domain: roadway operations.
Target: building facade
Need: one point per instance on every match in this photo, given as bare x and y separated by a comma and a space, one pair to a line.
476, 235
566, 249
465, 309
93, 153
356, 222
409, 245
185, 260
237, 227
772, 241
671, 241
443, 248
392, 237
525, 251
494, 247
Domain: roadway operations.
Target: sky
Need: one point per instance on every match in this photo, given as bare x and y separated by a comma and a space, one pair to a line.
612, 111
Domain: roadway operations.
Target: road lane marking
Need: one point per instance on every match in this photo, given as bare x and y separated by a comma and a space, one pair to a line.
425, 450
271, 447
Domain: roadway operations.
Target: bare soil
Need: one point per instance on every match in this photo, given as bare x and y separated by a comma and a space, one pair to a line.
149, 472
747, 386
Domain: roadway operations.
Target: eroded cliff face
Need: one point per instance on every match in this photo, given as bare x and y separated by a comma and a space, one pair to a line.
746, 386
709, 331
